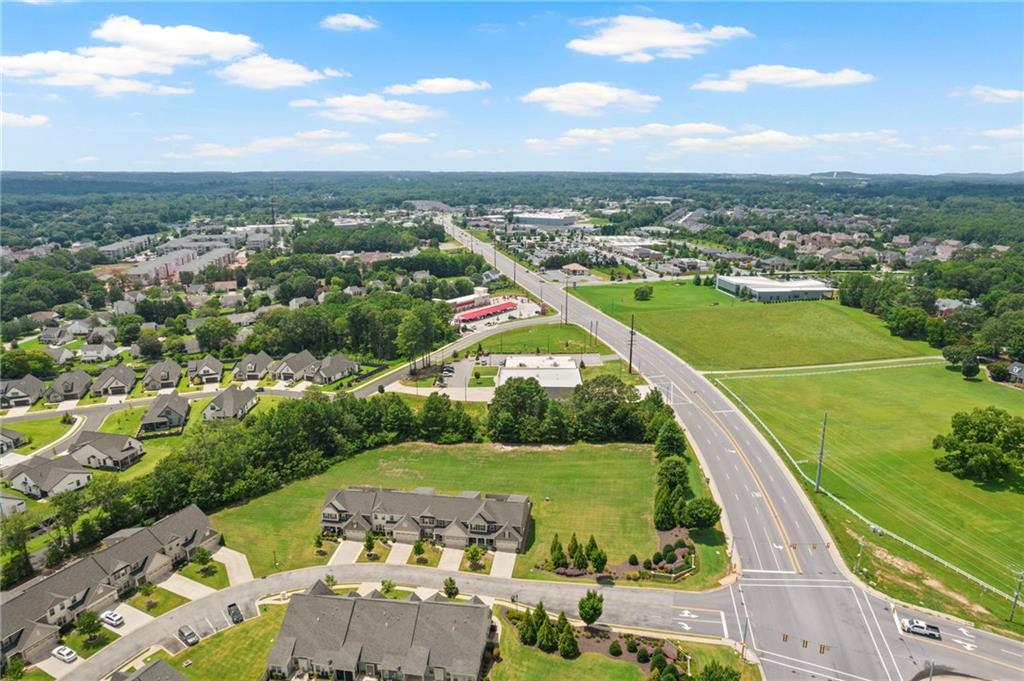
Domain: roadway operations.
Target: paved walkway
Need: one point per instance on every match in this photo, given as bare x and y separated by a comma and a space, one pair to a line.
236, 563
503, 564
346, 553
183, 586
451, 559
400, 553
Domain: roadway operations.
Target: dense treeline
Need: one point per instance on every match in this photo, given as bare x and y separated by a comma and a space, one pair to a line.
43, 282
330, 239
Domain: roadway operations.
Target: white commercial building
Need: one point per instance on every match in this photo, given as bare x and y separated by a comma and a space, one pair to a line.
561, 219
765, 290
557, 374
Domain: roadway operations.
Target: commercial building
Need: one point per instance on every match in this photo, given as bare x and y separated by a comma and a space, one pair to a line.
765, 290
478, 298
545, 220
484, 312
557, 374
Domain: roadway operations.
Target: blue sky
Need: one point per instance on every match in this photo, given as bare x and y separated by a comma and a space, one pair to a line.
712, 87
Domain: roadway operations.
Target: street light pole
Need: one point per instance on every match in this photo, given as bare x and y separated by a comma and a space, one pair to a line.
1016, 594
632, 318
821, 454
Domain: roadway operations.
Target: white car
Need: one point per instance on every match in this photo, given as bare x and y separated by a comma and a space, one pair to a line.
65, 654
112, 618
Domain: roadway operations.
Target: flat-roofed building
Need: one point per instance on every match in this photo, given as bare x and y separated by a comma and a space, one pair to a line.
765, 290
217, 256
557, 374
165, 266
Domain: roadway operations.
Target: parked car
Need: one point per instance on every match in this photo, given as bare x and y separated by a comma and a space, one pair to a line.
188, 636
235, 614
65, 654
920, 627
112, 618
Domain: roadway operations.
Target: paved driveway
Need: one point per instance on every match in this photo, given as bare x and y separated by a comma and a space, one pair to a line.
450, 559
183, 586
346, 553
504, 563
17, 411
399, 554
133, 619
236, 563
58, 669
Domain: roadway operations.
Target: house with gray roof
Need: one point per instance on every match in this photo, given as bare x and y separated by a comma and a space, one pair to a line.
116, 380
205, 370
293, 366
98, 352
163, 374
1016, 370
11, 505
10, 439
354, 637
108, 451
103, 335
191, 346
166, 411
253, 366
331, 368
20, 392
495, 521
154, 671
59, 355
39, 477
71, 385
55, 335
233, 403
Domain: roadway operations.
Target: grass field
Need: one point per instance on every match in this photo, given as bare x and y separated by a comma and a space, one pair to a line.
548, 338
714, 331
126, 422
40, 432
477, 410
600, 490
83, 646
217, 579
487, 376
615, 367
165, 601
879, 457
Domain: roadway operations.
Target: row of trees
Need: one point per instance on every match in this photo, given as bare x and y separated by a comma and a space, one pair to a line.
578, 555
674, 505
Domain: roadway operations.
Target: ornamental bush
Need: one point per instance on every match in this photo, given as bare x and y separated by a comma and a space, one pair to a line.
633, 560
657, 557
642, 656
615, 649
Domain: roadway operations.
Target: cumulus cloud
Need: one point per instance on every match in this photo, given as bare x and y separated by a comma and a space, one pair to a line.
438, 86
642, 39
405, 138
781, 76
174, 137
13, 120
1004, 133
985, 94
587, 99
263, 72
84, 160
316, 141
349, 22
366, 108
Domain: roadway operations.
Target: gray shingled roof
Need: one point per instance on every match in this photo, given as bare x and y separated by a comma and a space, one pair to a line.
174, 401
254, 363
230, 401
162, 372
46, 473
154, 671
117, 447
70, 382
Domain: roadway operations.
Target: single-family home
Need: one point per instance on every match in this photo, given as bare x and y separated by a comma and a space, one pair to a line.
79, 327
116, 380
71, 385
163, 374
10, 439
55, 335
1016, 370
191, 346
20, 392
355, 637
292, 366
40, 477
354, 291
253, 366
11, 505
108, 451
123, 307
330, 369
44, 316
166, 411
59, 355
103, 334
301, 301
233, 403
231, 299
98, 352
205, 370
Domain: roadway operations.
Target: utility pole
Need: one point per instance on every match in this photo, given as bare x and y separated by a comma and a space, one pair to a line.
566, 306
860, 552
632, 318
1016, 594
821, 454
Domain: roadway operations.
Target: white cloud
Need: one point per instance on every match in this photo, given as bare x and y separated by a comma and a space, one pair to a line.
263, 72
313, 141
459, 154
584, 99
404, 138
1004, 133
182, 40
343, 148
884, 137
174, 137
985, 94
642, 39
782, 76
620, 134
438, 86
13, 120
83, 160
364, 108
349, 22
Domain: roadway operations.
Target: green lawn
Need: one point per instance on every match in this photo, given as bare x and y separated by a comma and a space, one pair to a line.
164, 601
124, 422
40, 432
217, 657
547, 338
86, 648
474, 409
619, 516
616, 367
154, 448
486, 380
380, 553
879, 459
431, 553
216, 577
36, 675
714, 331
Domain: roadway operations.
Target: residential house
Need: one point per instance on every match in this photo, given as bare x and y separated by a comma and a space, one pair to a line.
79, 327
233, 403
947, 306
116, 380
35, 614
55, 335
10, 439
301, 301
123, 307
330, 369
163, 374
20, 392
98, 352
108, 451
231, 299
71, 385
1016, 370
59, 355
292, 366
154, 671
206, 370
44, 316
103, 335
11, 505
191, 346
494, 521
40, 477
374, 637
166, 411
253, 366
354, 291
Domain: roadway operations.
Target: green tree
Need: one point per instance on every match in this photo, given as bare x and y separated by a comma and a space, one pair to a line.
527, 633
599, 560
702, 513
591, 547
474, 554
573, 545
416, 332
714, 671
671, 441
567, 645
203, 559
645, 292
368, 543
88, 624
579, 559
14, 669
664, 519
969, 367
546, 638
590, 607
18, 363
418, 549
451, 589
67, 507
150, 346
984, 444
562, 625
214, 333
673, 472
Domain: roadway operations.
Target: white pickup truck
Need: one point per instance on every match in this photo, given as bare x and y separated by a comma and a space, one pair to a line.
920, 627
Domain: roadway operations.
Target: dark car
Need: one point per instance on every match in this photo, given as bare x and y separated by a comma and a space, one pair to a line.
235, 614
188, 636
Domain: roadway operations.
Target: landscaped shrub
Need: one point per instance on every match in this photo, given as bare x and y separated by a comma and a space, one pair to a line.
633, 560
669, 673
670, 556
615, 649
666, 548
680, 543
647, 563
631, 645
658, 660
657, 557
642, 656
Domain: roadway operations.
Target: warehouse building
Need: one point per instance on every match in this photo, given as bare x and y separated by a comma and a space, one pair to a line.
765, 290
557, 374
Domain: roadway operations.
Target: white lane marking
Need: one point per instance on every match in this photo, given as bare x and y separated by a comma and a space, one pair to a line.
775, 555
967, 646
735, 610
965, 632
881, 634
867, 626
746, 613
817, 666
687, 614
683, 625
769, 572
1010, 652
750, 535
794, 586
725, 627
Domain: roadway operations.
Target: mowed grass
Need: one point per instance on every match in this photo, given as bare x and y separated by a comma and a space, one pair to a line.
548, 338
714, 331
879, 458
604, 490
155, 447
41, 432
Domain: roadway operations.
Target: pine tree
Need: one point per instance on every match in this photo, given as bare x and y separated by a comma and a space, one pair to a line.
579, 560
591, 547
679, 511
663, 518
555, 544
599, 561
567, 645
546, 639
540, 616
563, 624
527, 634
671, 441
570, 549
